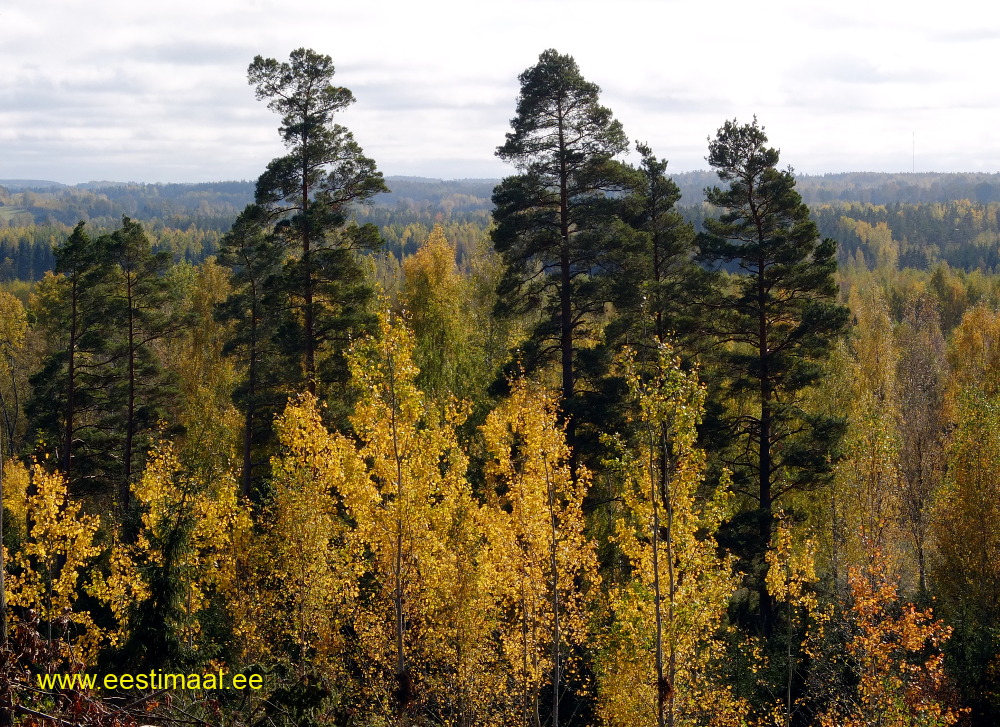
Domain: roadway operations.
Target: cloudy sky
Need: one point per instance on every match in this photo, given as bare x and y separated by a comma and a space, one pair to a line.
157, 92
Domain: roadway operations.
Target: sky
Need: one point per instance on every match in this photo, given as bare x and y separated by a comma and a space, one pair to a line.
157, 92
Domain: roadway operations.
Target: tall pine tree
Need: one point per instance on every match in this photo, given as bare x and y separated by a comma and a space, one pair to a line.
775, 318
306, 196
556, 219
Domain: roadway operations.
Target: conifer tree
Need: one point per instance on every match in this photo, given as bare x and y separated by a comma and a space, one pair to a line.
102, 390
69, 389
182, 557
306, 196
775, 320
254, 308
555, 219
140, 298
654, 297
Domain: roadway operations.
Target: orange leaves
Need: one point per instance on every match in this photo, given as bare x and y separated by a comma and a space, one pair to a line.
894, 652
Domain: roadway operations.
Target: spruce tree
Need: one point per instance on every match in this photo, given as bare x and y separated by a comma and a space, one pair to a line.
655, 292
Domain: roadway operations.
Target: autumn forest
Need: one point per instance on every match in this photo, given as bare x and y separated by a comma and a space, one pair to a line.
587, 445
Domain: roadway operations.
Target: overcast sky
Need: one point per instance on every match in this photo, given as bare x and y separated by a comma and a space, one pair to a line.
157, 92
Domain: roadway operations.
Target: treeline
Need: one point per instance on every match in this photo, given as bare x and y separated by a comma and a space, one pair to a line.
601, 466
963, 234
878, 188
931, 217
188, 220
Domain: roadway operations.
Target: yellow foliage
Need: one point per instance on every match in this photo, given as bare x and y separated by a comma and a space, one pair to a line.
51, 561
676, 578
869, 479
545, 564
433, 294
791, 570
966, 525
16, 479
189, 526
315, 556
425, 534
974, 353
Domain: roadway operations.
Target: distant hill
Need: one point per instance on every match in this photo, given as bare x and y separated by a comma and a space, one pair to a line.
931, 217
16, 185
868, 187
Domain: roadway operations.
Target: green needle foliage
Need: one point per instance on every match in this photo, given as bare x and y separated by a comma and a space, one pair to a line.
306, 196
775, 320
556, 220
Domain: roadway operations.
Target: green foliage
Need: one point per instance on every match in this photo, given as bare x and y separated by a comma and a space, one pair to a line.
253, 308
775, 322
659, 663
966, 534
557, 222
305, 197
101, 391
385, 553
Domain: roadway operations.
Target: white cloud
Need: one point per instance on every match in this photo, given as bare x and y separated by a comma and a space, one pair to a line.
157, 92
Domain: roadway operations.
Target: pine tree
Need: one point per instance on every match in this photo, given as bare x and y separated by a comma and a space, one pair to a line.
141, 299
71, 387
775, 320
254, 308
306, 195
555, 219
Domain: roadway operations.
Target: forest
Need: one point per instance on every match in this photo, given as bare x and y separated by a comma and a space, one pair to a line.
587, 445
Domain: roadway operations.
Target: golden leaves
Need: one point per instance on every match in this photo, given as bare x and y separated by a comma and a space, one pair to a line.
59, 546
668, 614
895, 653
544, 561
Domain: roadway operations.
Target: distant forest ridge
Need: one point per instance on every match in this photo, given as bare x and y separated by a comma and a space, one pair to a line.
910, 220
870, 187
